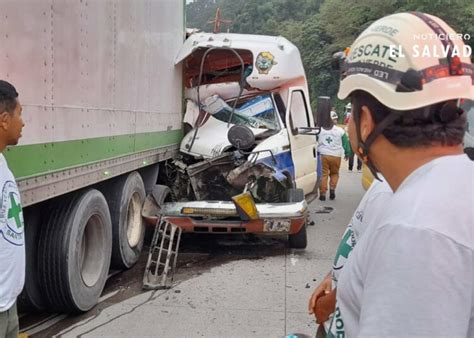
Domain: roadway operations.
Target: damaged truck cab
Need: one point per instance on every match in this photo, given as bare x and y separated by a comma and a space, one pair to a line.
249, 154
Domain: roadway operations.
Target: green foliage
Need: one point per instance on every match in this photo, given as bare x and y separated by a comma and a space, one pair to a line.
321, 27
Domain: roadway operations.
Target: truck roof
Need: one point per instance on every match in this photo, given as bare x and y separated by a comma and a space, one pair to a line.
270, 61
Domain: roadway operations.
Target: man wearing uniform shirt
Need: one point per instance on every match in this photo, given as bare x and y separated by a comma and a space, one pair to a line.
332, 142
12, 240
411, 274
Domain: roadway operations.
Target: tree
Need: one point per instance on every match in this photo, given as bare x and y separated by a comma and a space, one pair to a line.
321, 27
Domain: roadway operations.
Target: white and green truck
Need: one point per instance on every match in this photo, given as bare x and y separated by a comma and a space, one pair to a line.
102, 104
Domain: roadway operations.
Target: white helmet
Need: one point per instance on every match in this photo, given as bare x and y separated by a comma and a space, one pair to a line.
408, 61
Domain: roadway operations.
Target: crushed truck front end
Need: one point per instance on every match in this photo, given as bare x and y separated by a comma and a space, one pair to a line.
246, 102
223, 217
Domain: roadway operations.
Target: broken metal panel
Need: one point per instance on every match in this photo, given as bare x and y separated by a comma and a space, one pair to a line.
220, 66
208, 178
211, 139
275, 60
162, 257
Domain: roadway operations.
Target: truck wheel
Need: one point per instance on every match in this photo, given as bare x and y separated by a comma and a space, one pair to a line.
161, 194
74, 251
126, 196
298, 240
32, 297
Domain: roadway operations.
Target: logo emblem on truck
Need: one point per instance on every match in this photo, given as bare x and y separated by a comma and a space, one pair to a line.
264, 62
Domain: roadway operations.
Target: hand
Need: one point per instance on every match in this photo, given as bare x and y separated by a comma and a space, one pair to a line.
322, 289
325, 305
346, 158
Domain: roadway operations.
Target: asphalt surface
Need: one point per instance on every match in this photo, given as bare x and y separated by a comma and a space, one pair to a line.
242, 286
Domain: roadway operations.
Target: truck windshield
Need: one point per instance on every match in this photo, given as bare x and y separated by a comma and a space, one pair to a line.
256, 112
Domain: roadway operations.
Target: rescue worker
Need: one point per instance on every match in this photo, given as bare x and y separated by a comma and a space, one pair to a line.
12, 241
411, 273
323, 300
332, 142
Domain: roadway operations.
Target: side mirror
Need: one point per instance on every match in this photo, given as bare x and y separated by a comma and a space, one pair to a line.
241, 137
337, 61
322, 113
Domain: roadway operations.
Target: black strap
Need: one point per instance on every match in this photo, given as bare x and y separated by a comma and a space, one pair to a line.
363, 147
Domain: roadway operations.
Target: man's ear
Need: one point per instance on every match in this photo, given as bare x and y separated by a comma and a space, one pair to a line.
4, 120
367, 123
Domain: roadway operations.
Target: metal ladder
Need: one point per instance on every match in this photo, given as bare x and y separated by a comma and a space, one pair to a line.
161, 264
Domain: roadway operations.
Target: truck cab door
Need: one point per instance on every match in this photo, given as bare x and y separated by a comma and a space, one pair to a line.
303, 147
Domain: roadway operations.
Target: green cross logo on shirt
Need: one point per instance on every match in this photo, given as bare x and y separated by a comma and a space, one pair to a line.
329, 139
15, 211
344, 248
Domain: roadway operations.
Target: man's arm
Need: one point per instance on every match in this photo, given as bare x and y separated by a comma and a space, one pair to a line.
322, 289
325, 306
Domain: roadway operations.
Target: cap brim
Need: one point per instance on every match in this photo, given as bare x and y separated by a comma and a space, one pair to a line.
440, 90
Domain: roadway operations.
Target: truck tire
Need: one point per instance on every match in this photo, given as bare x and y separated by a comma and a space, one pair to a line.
125, 197
149, 176
298, 240
161, 194
74, 251
32, 296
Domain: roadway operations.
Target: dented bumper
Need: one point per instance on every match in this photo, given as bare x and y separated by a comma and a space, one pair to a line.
222, 217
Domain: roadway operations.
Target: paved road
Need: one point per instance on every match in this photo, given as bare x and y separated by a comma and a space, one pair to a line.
229, 288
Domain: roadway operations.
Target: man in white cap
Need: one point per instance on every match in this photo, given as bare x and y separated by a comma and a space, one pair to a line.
412, 272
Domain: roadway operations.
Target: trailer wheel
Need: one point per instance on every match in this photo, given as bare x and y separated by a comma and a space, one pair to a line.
74, 251
298, 240
126, 196
32, 296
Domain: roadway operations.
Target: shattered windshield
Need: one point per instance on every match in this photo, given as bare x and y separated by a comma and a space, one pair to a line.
256, 112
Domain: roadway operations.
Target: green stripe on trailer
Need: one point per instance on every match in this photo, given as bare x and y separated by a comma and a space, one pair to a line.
36, 159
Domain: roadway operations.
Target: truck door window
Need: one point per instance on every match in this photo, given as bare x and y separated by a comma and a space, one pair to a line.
299, 116
280, 107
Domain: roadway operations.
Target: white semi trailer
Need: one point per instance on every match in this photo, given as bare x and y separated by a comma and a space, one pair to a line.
102, 105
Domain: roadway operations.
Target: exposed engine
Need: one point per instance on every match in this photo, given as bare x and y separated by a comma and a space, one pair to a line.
220, 178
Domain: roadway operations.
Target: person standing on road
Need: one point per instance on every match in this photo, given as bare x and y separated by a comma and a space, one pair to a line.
411, 274
12, 242
334, 116
347, 113
351, 162
347, 117
322, 302
332, 141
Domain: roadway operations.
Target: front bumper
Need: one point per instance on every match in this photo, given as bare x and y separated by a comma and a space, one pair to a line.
222, 217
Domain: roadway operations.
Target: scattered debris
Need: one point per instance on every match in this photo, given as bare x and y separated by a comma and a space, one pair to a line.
324, 210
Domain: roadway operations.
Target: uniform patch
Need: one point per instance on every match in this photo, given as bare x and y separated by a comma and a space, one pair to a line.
11, 215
